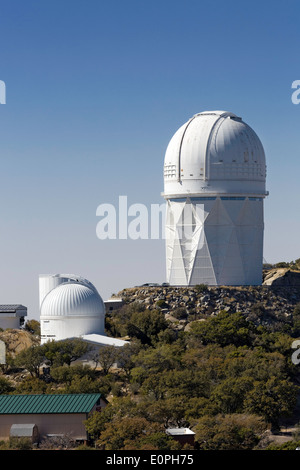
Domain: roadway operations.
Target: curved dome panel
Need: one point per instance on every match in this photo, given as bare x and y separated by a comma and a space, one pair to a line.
72, 299
214, 147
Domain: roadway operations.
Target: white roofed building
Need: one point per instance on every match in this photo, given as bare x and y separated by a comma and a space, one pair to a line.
12, 316
112, 304
71, 307
182, 435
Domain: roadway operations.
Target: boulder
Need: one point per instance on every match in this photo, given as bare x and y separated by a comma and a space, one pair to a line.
18, 340
282, 277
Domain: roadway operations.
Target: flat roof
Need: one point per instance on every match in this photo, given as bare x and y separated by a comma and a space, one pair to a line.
10, 308
179, 431
104, 340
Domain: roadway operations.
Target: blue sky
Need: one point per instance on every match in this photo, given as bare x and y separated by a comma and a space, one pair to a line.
95, 91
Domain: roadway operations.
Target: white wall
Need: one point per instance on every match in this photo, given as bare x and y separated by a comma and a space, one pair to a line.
218, 241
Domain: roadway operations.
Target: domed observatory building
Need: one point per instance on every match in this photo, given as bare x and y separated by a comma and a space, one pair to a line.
70, 306
214, 186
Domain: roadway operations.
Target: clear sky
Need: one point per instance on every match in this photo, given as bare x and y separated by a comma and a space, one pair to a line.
94, 92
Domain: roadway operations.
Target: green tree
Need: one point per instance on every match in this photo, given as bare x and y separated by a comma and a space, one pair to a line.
229, 395
116, 323
5, 386
66, 374
82, 385
167, 336
273, 341
197, 407
124, 432
224, 329
116, 409
34, 327
170, 412
147, 325
32, 385
272, 399
152, 441
229, 432
65, 351
95, 424
290, 445
126, 356
107, 356
154, 386
31, 359
161, 358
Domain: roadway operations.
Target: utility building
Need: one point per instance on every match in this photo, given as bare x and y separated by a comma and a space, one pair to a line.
214, 186
12, 316
42, 416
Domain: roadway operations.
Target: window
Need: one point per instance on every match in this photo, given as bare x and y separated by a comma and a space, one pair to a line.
232, 198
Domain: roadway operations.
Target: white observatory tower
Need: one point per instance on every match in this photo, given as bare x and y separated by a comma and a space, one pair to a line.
214, 186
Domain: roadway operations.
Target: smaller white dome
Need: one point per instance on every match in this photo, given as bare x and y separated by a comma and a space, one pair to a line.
72, 299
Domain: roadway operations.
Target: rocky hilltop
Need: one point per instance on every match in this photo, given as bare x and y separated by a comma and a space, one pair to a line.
275, 299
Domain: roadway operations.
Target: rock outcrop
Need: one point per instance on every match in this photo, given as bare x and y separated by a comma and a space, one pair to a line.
184, 304
16, 340
282, 277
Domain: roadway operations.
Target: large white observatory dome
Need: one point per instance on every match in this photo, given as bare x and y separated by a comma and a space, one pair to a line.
70, 306
214, 151
214, 186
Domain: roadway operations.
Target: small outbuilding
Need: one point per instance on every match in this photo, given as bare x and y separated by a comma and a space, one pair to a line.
112, 304
25, 430
39, 416
12, 316
182, 435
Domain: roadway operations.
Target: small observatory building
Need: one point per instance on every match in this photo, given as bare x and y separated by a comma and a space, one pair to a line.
70, 306
214, 187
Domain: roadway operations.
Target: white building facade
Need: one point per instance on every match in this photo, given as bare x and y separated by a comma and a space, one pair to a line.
12, 316
214, 186
70, 306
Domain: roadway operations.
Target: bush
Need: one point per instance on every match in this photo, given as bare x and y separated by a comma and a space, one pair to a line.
200, 288
180, 313
19, 443
229, 432
5, 386
290, 445
57, 443
224, 329
34, 327
161, 304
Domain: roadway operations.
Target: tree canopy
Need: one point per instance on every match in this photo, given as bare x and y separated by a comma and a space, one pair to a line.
229, 378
